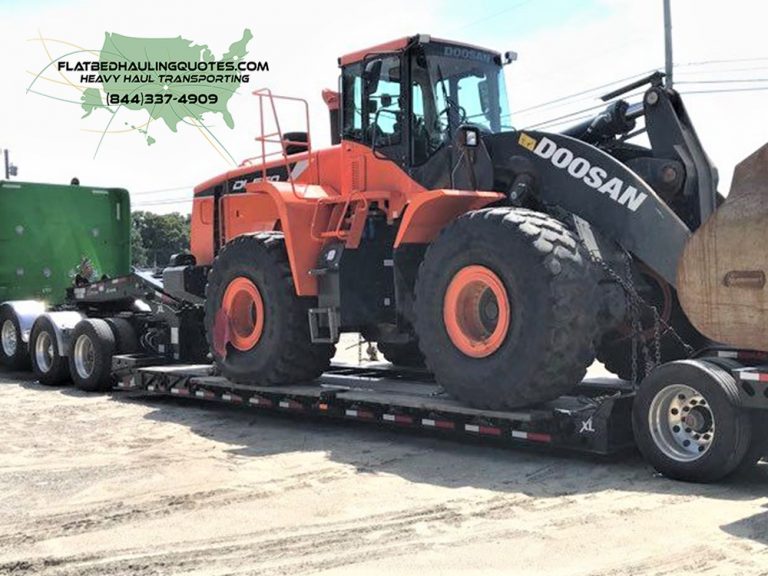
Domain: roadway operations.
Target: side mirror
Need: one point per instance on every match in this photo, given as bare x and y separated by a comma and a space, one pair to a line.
386, 100
371, 75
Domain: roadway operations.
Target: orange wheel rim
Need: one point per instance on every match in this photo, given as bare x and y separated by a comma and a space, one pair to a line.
244, 309
476, 311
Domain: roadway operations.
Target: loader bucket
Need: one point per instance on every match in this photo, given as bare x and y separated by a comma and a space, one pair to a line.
721, 276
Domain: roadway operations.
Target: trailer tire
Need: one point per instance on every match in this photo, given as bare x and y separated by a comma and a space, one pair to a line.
126, 340
50, 367
13, 351
269, 342
522, 271
711, 441
408, 354
90, 361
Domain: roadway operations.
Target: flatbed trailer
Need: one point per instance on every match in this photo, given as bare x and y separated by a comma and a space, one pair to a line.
595, 418
144, 334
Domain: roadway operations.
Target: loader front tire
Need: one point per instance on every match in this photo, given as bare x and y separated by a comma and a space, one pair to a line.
506, 308
256, 325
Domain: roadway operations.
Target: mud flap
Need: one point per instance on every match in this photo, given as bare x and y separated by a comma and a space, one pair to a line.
221, 333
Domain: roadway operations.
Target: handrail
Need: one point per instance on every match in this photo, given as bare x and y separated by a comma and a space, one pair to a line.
277, 137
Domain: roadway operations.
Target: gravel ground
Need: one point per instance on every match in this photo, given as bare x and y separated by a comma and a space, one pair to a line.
107, 484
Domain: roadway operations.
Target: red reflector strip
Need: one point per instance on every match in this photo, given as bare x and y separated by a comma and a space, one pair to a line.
258, 401
205, 394
753, 376
443, 424
489, 430
359, 414
531, 436
180, 391
397, 418
231, 398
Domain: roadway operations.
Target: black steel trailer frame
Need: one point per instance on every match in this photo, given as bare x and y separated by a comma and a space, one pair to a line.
596, 418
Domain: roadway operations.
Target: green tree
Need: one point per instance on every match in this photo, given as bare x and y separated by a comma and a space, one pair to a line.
138, 250
162, 235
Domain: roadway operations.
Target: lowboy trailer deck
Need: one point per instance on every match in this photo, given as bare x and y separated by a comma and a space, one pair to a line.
595, 418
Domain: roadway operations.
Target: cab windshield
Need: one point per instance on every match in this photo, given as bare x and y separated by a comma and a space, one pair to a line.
454, 85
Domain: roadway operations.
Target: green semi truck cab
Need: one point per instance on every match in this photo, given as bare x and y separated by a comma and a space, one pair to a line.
50, 233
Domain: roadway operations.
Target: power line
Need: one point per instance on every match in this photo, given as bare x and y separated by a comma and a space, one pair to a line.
725, 61
494, 15
163, 202
724, 90
735, 80
144, 192
583, 92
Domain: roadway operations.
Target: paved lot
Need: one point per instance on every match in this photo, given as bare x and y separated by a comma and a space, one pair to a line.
107, 484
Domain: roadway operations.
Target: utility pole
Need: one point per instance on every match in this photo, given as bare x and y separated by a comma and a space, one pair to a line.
668, 42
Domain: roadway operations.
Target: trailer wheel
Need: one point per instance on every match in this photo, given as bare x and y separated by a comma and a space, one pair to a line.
50, 367
506, 308
13, 350
256, 325
688, 421
126, 341
407, 354
90, 363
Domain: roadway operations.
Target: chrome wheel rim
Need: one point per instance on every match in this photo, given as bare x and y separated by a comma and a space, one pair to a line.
44, 352
85, 356
9, 338
681, 422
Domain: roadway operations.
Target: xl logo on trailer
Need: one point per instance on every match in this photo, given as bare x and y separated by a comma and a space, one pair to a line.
580, 168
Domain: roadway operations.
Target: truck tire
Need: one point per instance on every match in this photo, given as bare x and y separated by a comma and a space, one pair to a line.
13, 350
126, 341
688, 421
506, 308
50, 367
256, 325
407, 354
90, 360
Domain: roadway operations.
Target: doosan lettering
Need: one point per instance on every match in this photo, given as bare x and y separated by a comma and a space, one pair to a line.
593, 176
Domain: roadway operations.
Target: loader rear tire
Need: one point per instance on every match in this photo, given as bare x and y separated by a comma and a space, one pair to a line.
50, 367
615, 349
256, 325
90, 359
506, 308
408, 354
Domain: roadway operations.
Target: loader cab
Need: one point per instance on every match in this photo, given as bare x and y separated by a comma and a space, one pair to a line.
408, 100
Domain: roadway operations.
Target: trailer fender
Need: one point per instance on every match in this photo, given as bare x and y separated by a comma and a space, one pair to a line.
63, 324
26, 312
607, 194
429, 212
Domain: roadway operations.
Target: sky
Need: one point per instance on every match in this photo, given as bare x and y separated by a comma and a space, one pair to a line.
564, 47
